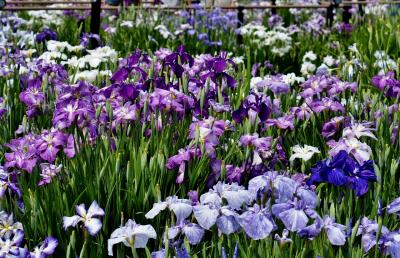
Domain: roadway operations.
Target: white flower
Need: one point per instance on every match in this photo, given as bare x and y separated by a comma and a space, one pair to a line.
291, 79
305, 153
128, 24
309, 56
329, 61
131, 235
307, 68
358, 130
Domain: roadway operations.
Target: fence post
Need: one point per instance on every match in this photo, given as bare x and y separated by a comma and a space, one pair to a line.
240, 16
95, 21
329, 14
273, 9
360, 9
346, 14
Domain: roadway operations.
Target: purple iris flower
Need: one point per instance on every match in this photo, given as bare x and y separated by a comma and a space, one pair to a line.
369, 230
180, 160
382, 81
274, 83
89, 218
217, 70
345, 28
388, 84
284, 122
303, 112
234, 174
3, 109
255, 104
234, 195
275, 21
293, 214
331, 127
343, 170
9, 182
86, 37
45, 249
176, 59
46, 35
48, 172
32, 96
49, 143
23, 155
326, 104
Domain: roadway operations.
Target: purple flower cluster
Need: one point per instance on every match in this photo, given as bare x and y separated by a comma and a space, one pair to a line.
387, 84
46, 35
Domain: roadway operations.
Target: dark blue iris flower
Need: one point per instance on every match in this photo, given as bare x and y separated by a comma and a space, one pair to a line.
343, 170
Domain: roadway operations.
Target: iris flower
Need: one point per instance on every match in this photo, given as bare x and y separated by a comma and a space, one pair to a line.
131, 235
89, 218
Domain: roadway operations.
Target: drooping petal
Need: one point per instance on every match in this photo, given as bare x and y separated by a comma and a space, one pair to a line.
111, 242
256, 225
335, 235
193, 232
182, 210
294, 219
227, 224
50, 244
157, 208
205, 216
394, 206
71, 221
93, 225
237, 198
142, 235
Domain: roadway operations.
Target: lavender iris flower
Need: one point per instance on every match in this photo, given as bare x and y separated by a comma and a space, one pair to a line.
8, 227
335, 232
293, 214
193, 232
3, 110
182, 208
89, 218
48, 172
11, 247
45, 249
9, 182
394, 207
131, 235
257, 222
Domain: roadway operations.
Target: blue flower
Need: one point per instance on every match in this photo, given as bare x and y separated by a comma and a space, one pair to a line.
343, 170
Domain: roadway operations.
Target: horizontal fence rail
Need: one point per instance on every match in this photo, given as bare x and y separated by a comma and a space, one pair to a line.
96, 6
86, 5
